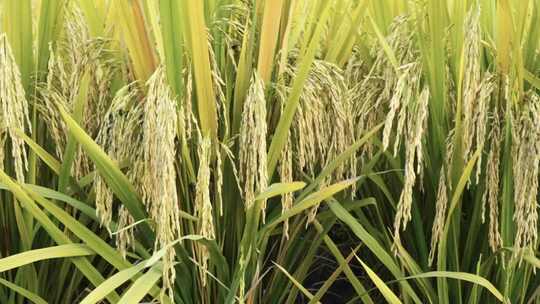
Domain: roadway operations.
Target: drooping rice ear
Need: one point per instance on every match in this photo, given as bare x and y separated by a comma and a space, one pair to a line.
443, 190
471, 77
218, 175
218, 85
362, 86
253, 153
77, 61
158, 180
417, 115
286, 176
440, 215
125, 235
526, 161
119, 136
13, 109
324, 123
203, 206
188, 105
406, 119
477, 89
491, 193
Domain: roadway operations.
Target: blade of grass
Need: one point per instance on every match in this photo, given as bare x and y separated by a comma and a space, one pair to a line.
269, 38
113, 282
532, 79
387, 293
462, 276
197, 37
142, 286
55, 233
50, 160
328, 169
333, 277
17, 23
298, 285
94, 241
387, 49
23, 292
380, 252
94, 18
310, 201
279, 189
120, 278
55, 252
51, 17
504, 35
454, 202
131, 23
171, 31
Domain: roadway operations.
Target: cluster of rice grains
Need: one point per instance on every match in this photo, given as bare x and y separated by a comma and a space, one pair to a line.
329, 119
339, 105
157, 168
76, 63
525, 161
402, 93
13, 110
142, 133
481, 121
143, 128
137, 127
252, 141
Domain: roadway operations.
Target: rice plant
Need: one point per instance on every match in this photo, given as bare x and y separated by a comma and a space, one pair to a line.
257, 151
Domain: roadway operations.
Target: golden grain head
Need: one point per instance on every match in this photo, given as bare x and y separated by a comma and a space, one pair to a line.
203, 205
253, 152
526, 161
157, 166
491, 192
14, 109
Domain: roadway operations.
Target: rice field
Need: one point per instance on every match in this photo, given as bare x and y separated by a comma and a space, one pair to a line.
269, 151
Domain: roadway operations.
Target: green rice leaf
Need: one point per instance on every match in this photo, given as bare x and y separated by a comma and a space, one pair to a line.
55, 233
142, 286
50, 160
298, 285
373, 245
23, 292
312, 200
280, 189
387, 293
462, 276
120, 278
55, 252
